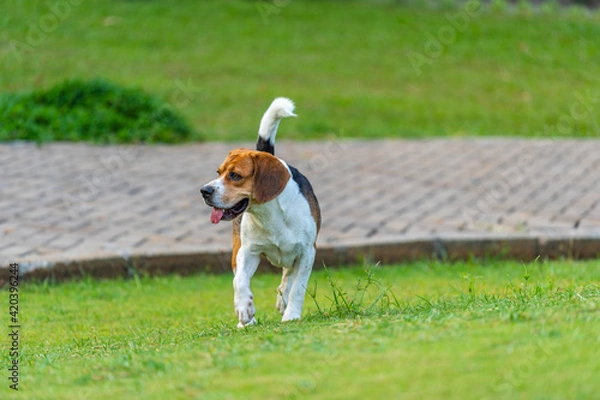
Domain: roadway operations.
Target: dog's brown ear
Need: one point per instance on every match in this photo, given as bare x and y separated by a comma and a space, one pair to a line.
270, 177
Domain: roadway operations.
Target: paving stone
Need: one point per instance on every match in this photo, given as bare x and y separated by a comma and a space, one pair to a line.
110, 200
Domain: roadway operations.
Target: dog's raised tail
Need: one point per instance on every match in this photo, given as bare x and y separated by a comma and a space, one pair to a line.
280, 108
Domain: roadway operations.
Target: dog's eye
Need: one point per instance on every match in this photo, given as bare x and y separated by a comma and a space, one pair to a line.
234, 177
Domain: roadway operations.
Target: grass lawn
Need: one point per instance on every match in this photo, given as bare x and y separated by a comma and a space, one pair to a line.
479, 330
355, 69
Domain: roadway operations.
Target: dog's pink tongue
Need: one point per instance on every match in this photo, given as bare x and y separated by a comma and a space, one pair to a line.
216, 215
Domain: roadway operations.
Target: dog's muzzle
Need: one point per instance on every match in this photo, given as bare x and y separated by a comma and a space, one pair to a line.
207, 192
219, 213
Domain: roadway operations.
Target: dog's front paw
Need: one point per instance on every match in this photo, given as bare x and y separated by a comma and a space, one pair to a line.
244, 310
242, 325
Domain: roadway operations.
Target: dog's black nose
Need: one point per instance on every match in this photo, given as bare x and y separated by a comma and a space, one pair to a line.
207, 191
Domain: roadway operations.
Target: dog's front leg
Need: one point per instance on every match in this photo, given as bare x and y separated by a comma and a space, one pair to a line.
243, 300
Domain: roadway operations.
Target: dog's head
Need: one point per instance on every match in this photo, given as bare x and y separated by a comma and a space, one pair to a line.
246, 177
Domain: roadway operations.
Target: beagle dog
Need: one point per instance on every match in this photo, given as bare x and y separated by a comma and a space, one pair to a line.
274, 213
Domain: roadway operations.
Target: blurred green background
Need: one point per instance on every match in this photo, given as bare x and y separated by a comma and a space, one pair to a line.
354, 68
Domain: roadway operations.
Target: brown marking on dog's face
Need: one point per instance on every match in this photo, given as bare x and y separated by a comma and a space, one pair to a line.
237, 176
251, 174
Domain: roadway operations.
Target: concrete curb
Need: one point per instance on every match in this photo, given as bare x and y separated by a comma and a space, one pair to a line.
454, 247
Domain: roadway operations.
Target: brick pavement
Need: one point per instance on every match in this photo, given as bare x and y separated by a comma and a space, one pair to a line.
72, 202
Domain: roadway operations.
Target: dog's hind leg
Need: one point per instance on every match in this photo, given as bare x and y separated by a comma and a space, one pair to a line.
283, 291
300, 275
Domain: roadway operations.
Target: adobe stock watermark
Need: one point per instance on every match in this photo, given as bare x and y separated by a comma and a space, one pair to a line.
447, 34
581, 109
91, 186
183, 95
309, 384
332, 149
14, 326
510, 178
37, 31
267, 8
505, 385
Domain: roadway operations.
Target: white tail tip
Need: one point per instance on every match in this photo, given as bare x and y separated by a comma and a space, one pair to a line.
281, 107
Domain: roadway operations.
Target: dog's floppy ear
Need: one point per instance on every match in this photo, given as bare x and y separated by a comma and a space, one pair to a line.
270, 177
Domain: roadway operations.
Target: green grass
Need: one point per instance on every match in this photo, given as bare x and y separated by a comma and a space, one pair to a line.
510, 71
424, 330
96, 111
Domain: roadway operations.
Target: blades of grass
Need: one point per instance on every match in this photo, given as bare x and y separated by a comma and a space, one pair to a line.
313, 295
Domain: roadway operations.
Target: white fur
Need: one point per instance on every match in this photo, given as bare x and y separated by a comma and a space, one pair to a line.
217, 197
284, 231
280, 108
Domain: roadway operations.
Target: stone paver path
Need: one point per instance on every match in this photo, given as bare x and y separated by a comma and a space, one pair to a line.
62, 202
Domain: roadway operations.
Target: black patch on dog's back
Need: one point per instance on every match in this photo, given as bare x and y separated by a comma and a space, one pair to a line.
308, 193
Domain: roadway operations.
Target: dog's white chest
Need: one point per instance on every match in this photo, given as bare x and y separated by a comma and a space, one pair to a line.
281, 230
281, 244
282, 256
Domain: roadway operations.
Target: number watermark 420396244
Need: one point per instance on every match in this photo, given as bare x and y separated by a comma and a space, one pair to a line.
13, 326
